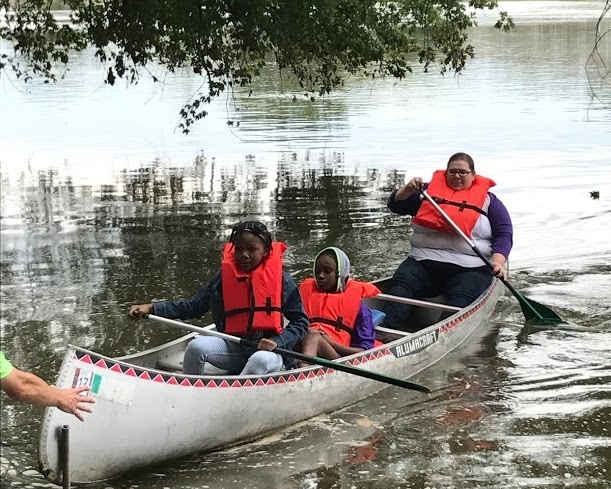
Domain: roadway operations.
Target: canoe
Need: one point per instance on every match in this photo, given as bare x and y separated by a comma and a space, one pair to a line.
147, 411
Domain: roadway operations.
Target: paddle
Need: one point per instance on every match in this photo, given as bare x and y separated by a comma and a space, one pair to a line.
530, 308
299, 356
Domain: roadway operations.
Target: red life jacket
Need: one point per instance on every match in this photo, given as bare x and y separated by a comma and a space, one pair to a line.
335, 313
253, 300
463, 206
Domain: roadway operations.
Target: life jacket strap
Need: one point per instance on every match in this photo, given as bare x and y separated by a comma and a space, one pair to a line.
337, 323
267, 309
461, 205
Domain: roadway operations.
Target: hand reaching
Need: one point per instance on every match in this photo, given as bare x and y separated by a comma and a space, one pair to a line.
72, 401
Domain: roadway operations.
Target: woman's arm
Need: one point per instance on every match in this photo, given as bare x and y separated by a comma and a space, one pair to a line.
502, 234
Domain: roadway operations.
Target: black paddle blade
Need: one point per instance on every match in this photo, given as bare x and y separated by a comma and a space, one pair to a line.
371, 375
348, 369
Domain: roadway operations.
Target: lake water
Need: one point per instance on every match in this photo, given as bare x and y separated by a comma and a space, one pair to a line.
105, 203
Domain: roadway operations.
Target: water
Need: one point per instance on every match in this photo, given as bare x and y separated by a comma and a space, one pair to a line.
104, 204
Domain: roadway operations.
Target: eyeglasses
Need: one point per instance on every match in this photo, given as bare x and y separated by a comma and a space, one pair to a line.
462, 173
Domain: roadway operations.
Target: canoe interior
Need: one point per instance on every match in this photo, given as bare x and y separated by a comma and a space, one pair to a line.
169, 357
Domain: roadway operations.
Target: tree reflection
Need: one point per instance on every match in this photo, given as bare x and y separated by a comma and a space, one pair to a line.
76, 254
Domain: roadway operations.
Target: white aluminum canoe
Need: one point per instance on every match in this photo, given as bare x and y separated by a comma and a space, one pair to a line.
147, 411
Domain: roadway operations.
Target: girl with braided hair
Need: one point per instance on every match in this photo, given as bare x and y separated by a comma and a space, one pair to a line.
250, 296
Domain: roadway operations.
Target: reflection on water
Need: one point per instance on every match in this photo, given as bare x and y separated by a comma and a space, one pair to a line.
103, 206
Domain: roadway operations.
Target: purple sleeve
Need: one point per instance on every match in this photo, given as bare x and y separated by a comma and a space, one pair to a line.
364, 333
502, 229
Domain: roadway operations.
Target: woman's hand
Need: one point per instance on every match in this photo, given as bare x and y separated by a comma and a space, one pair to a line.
498, 266
409, 188
138, 310
415, 183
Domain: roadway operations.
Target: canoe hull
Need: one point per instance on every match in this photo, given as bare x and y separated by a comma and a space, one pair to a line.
144, 416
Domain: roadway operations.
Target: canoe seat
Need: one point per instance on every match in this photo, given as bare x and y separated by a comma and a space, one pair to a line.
169, 366
378, 316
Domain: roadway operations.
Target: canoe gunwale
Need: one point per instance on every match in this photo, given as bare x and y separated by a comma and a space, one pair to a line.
448, 323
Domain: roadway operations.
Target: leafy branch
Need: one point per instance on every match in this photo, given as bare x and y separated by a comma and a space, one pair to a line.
229, 42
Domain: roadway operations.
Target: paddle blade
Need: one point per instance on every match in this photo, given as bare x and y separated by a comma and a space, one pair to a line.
537, 312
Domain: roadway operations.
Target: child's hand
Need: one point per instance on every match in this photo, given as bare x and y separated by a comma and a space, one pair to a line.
317, 330
266, 344
137, 310
328, 338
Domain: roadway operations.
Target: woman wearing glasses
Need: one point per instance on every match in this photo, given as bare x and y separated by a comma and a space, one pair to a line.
440, 261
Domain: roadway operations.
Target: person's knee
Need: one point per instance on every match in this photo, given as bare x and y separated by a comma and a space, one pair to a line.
410, 280
197, 352
262, 362
200, 346
311, 338
468, 288
405, 271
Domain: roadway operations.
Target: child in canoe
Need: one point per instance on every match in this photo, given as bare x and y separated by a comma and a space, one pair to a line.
251, 268
340, 324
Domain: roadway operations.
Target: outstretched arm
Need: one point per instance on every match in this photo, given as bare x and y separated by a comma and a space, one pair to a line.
26, 387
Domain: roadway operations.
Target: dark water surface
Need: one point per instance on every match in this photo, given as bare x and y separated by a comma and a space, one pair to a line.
104, 205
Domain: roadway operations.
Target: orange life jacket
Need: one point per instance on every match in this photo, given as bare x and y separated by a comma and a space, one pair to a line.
463, 206
335, 313
253, 300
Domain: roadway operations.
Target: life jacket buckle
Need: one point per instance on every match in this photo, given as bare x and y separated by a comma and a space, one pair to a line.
339, 324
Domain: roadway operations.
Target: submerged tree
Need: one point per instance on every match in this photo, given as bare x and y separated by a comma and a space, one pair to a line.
321, 42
